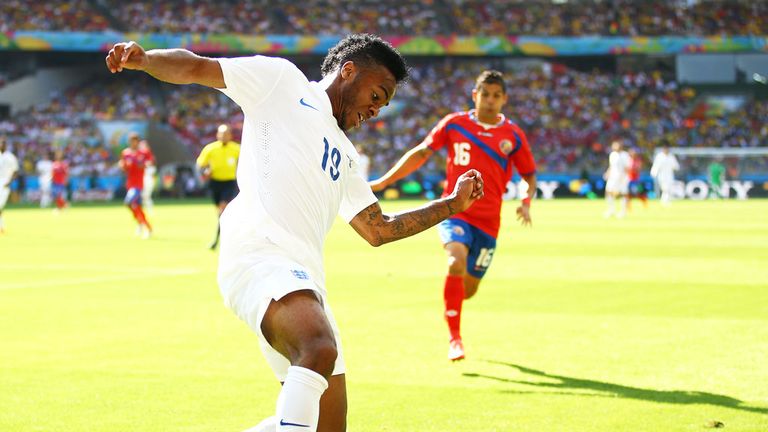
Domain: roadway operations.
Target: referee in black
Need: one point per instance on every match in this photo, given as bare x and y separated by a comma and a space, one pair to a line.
218, 163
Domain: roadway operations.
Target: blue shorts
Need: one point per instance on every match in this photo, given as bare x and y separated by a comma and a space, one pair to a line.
133, 197
481, 245
58, 190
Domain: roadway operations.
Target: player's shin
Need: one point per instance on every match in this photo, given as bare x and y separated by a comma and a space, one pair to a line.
453, 294
298, 406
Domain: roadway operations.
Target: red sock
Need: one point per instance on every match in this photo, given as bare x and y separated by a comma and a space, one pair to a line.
60, 202
453, 294
138, 213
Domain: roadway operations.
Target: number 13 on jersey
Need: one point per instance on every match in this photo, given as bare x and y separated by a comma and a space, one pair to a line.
334, 157
461, 153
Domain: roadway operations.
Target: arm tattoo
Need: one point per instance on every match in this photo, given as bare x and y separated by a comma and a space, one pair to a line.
388, 228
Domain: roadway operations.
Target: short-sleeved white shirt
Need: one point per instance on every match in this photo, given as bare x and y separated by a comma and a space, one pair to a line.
297, 168
8, 165
44, 168
664, 167
618, 164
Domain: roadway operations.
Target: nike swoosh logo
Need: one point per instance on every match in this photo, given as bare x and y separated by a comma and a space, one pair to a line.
301, 101
285, 423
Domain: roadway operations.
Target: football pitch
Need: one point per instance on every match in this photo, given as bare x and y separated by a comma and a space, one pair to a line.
657, 322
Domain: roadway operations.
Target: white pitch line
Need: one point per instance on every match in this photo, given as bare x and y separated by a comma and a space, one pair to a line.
97, 279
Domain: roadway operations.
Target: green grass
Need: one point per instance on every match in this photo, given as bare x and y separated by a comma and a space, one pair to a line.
658, 322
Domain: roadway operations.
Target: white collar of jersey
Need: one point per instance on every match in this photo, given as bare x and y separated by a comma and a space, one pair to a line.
473, 117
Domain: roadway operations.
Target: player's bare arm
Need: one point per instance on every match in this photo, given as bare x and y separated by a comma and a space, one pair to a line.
524, 210
410, 162
175, 66
379, 228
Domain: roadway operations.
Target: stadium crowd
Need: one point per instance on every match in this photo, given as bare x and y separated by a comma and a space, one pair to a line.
569, 116
59, 15
408, 17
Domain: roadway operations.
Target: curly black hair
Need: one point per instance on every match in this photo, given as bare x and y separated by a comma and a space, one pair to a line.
366, 49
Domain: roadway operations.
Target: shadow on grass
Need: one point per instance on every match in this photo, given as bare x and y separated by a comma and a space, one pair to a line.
605, 389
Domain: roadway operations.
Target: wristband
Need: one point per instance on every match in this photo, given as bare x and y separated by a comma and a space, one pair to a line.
527, 201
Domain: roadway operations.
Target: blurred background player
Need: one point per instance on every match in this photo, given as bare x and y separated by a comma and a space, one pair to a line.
44, 168
716, 178
663, 172
485, 140
9, 168
218, 163
149, 176
133, 161
617, 180
636, 188
59, 180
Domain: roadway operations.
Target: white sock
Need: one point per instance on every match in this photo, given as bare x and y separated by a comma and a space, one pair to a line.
624, 205
269, 424
609, 201
298, 406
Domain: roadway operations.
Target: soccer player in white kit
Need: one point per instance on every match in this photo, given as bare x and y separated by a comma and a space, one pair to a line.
44, 168
617, 180
297, 172
663, 172
9, 166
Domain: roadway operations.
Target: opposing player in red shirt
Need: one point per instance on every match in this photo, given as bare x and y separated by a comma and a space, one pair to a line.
132, 161
636, 188
485, 140
59, 180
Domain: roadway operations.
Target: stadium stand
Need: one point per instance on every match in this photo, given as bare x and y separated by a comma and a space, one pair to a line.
61, 15
426, 18
569, 114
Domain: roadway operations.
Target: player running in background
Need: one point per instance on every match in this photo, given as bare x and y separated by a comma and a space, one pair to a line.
218, 163
297, 172
9, 168
59, 180
663, 171
485, 140
636, 188
132, 161
44, 168
149, 176
617, 180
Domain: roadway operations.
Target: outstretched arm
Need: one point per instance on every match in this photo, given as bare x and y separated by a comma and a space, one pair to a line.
379, 228
410, 162
175, 66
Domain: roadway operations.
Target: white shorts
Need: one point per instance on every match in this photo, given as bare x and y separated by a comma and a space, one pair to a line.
4, 193
617, 185
250, 280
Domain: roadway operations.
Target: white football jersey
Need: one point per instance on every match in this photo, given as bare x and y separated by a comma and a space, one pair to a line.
664, 167
618, 164
8, 165
297, 169
44, 168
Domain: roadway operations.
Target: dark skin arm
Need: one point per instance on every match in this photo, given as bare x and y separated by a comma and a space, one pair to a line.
378, 228
175, 66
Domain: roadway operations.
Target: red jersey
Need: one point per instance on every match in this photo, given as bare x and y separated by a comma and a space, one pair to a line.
492, 151
134, 162
60, 172
635, 167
